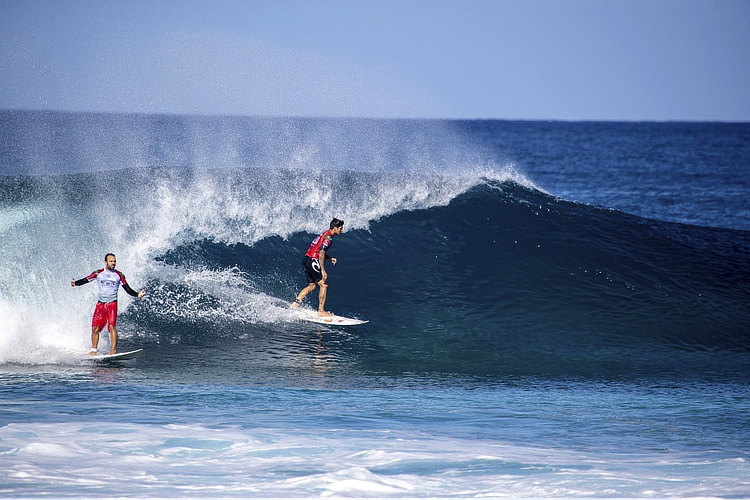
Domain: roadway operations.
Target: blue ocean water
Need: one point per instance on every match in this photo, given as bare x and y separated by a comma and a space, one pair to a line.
556, 309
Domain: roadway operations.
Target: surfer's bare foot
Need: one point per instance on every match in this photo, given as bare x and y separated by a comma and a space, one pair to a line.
113, 351
324, 313
294, 305
93, 352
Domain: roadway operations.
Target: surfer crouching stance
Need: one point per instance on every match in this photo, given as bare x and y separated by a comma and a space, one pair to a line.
108, 280
314, 265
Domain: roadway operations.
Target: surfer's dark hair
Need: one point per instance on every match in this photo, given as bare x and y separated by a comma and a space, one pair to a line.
336, 223
105, 257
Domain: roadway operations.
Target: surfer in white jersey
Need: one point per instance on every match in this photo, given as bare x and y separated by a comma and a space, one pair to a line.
108, 280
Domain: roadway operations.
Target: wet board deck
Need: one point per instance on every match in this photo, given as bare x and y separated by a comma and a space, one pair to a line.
312, 316
120, 356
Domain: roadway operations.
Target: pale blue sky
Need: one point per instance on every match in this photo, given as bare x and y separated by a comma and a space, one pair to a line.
505, 59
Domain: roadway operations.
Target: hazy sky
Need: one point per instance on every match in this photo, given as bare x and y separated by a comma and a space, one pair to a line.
506, 59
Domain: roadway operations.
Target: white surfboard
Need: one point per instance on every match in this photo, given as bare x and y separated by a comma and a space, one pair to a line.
308, 315
119, 356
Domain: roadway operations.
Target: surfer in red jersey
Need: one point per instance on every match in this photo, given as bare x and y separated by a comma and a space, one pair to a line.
108, 280
314, 265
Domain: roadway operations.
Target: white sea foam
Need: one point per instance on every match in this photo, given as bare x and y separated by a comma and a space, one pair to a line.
173, 461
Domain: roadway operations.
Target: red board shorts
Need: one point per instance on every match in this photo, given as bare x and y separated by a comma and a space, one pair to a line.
105, 312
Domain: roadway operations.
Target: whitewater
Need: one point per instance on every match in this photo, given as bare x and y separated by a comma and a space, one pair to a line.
556, 309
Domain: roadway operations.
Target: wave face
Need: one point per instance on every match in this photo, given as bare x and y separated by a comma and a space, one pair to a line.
463, 269
506, 280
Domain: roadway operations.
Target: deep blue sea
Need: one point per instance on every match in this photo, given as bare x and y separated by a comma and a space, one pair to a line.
556, 309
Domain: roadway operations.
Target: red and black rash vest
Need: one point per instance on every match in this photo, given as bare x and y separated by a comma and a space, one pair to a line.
322, 242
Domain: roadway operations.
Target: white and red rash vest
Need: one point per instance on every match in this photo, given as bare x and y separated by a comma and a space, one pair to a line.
322, 242
108, 283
